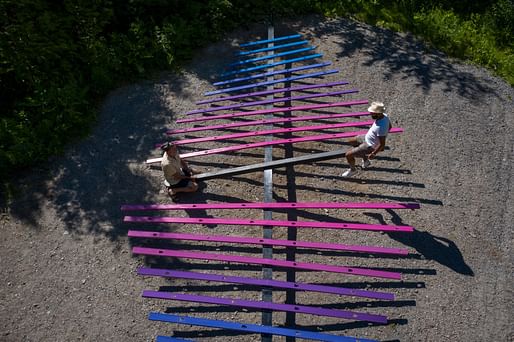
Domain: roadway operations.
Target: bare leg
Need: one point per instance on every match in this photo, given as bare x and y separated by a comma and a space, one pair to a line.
350, 159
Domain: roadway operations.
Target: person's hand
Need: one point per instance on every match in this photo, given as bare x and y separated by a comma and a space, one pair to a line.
371, 155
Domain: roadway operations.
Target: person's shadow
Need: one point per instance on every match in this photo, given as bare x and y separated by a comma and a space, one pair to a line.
432, 247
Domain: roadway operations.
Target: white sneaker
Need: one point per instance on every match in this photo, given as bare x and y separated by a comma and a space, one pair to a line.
349, 173
365, 163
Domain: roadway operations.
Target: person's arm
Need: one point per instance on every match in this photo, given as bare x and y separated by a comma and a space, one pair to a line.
180, 176
379, 148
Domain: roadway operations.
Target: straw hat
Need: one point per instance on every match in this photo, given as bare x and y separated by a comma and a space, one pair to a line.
376, 107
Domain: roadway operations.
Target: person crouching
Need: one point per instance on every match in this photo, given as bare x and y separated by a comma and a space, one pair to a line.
178, 176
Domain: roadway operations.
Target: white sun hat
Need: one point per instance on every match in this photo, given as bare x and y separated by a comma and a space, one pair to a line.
376, 107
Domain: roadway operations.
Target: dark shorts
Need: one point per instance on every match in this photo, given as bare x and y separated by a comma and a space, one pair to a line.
184, 183
363, 149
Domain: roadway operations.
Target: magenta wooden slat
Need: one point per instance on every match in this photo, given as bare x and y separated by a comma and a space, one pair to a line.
159, 272
352, 315
275, 100
276, 110
269, 262
272, 131
272, 142
271, 242
274, 91
273, 205
278, 223
267, 122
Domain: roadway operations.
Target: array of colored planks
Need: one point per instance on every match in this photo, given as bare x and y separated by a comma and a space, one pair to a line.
249, 75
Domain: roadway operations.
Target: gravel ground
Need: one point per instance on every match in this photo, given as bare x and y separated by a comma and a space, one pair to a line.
66, 261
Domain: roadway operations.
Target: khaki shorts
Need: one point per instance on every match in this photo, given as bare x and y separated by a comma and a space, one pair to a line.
363, 149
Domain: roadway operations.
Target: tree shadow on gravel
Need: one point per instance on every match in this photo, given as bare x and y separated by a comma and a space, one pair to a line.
404, 55
106, 170
432, 247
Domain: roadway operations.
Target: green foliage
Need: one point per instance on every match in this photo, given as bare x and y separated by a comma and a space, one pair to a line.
57, 59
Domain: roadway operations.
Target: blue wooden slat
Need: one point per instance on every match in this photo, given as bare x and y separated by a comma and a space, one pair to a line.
260, 84
170, 339
266, 74
278, 39
286, 53
260, 329
270, 65
244, 53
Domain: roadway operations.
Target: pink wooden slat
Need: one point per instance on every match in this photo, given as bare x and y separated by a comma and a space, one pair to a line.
272, 142
273, 205
272, 131
266, 122
271, 242
245, 222
276, 110
268, 262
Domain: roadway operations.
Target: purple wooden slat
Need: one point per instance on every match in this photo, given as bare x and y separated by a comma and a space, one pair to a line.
273, 205
267, 306
275, 100
269, 262
272, 142
266, 74
266, 83
245, 222
271, 242
277, 110
274, 91
266, 122
272, 131
265, 282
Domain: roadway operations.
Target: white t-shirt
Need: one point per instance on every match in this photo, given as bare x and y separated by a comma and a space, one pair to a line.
170, 166
380, 128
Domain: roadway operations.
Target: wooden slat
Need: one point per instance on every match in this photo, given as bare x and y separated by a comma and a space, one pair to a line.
273, 205
270, 242
366, 272
267, 122
271, 65
311, 310
246, 327
271, 132
272, 142
277, 223
275, 100
273, 91
265, 83
279, 284
277, 110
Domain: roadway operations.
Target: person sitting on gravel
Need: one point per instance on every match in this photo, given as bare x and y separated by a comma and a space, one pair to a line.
178, 176
367, 146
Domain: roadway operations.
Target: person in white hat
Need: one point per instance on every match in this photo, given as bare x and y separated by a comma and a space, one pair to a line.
178, 176
367, 146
